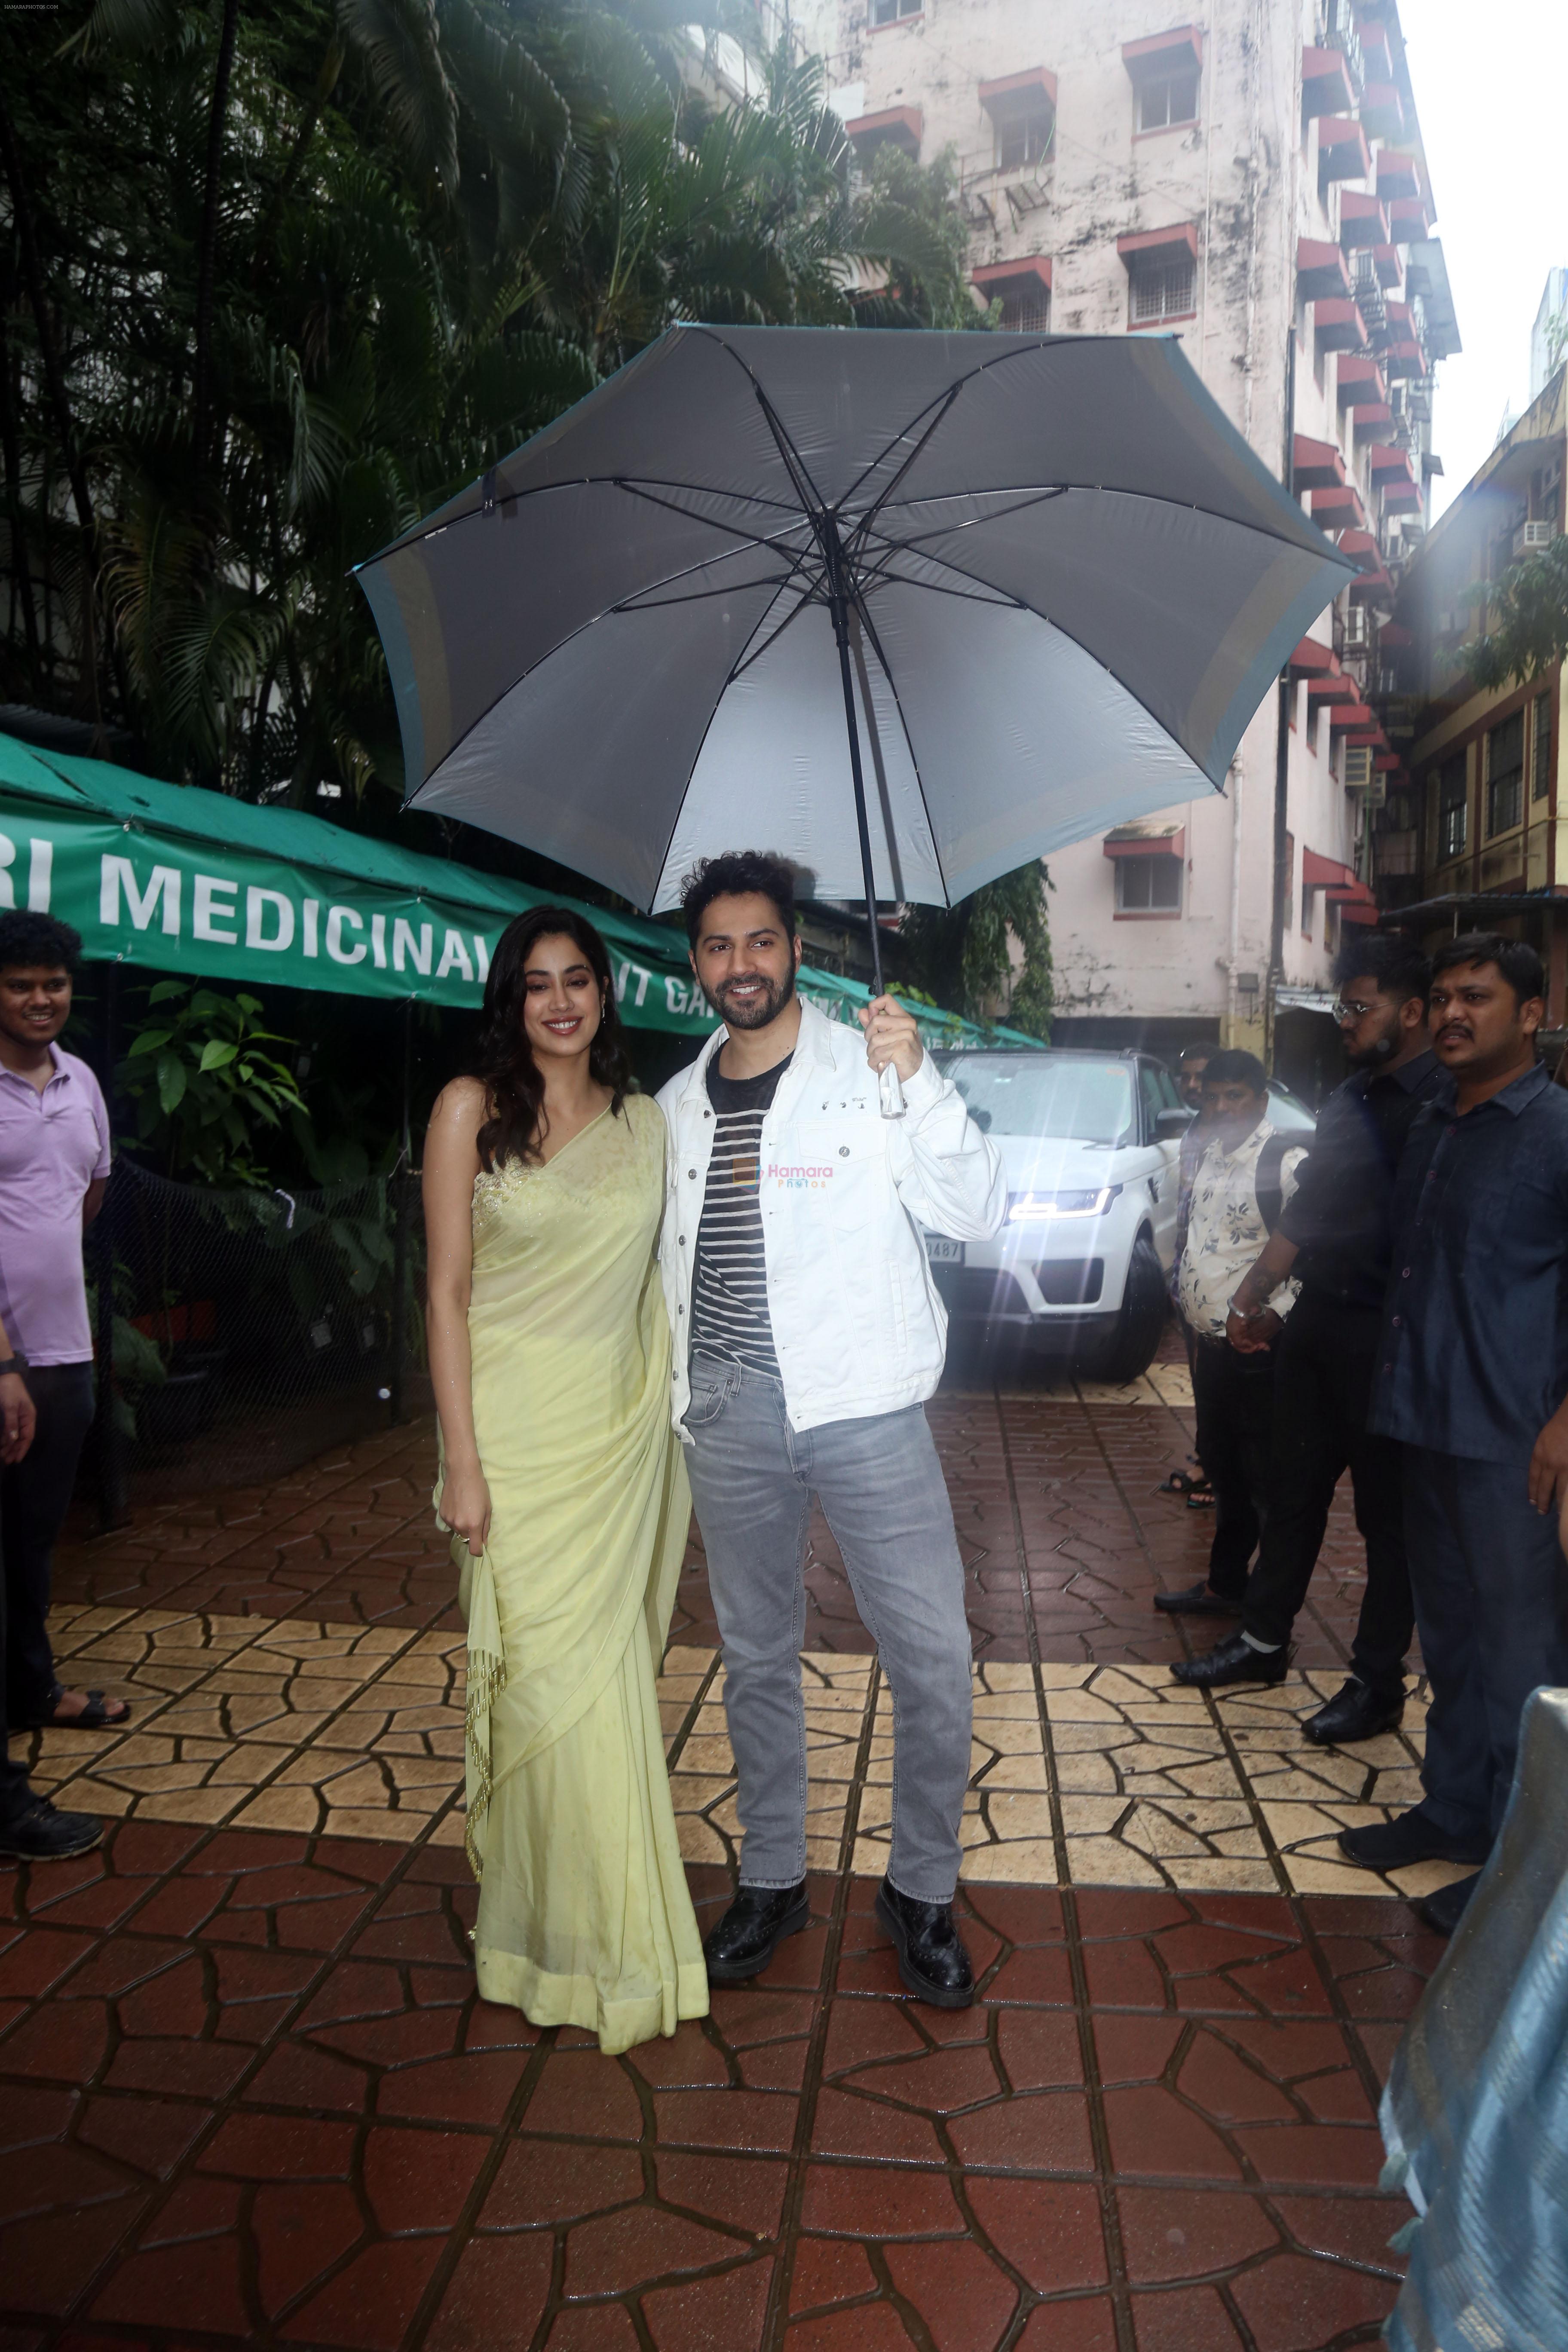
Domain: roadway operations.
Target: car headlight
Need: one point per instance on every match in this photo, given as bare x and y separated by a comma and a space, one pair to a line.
1035, 1208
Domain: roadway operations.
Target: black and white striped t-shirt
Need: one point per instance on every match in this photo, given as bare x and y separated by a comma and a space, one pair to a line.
729, 1298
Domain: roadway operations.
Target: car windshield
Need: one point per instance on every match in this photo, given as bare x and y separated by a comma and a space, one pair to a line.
1062, 1096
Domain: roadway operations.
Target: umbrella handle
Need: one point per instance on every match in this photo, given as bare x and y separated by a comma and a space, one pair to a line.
891, 1092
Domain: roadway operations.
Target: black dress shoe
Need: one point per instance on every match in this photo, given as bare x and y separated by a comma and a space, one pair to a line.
1234, 1661
933, 1962
1444, 1910
1356, 1712
752, 1930
1410, 1837
1197, 1600
43, 1834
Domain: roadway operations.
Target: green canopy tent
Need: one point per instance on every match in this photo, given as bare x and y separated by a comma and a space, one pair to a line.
178, 879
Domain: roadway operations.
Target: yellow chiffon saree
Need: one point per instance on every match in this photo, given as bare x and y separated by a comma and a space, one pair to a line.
584, 1918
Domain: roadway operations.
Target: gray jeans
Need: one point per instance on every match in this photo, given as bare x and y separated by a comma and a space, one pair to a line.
882, 1493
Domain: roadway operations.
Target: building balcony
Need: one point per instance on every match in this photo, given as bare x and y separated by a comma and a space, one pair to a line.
1377, 60
1400, 497
1340, 509
1315, 464
1340, 327
1367, 556
1410, 219
1399, 174
1362, 220
1360, 379
1326, 84
1352, 717
1343, 149
1369, 420
1321, 269
1024, 289
1386, 458
1383, 109
1390, 269
1313, 658
894, 126
1402, 355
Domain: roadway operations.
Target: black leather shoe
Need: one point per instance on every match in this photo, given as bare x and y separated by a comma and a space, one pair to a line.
1410, 1837
752, 1930
43, 1834
1356, 1712
1197, 1600
1234, 1661
1444, 1910
933, 1962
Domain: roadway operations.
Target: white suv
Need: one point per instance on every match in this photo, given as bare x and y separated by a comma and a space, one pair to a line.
1090, 1142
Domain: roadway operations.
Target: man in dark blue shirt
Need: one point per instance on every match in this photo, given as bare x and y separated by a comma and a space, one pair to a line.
1333, 1238
1472, 1380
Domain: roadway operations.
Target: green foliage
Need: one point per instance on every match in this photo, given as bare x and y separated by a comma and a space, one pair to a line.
964, 955
204, 1086
436, 225
1529, 611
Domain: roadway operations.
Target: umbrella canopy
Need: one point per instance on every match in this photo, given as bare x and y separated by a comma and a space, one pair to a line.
1048, 579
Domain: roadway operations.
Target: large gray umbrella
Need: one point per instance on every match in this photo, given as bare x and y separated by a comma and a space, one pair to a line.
1044, 580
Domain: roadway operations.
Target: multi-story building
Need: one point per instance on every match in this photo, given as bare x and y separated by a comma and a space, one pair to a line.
1253, 183
1475, 829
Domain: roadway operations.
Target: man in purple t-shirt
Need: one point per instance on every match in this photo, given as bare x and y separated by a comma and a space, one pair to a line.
54, 1167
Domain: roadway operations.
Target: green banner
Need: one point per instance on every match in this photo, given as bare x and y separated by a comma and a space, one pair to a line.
177, 879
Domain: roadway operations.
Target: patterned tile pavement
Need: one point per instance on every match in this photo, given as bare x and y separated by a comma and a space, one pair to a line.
247, 2094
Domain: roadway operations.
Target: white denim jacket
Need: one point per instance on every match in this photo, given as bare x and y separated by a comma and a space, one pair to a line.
858, 1327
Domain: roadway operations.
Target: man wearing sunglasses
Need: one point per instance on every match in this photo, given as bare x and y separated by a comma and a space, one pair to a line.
1333, 1237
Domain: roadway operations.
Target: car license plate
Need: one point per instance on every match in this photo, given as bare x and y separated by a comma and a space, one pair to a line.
944, 1253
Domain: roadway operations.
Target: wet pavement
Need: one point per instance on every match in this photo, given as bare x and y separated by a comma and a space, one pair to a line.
247, 2094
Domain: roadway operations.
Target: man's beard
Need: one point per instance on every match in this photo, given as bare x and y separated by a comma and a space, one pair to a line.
776, 996
1374, 1056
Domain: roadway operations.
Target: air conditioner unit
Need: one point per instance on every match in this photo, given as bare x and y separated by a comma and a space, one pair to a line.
1358, 770
1358, 625
1535, 534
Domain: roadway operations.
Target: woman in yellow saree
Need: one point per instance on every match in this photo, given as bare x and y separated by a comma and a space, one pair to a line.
563, 1485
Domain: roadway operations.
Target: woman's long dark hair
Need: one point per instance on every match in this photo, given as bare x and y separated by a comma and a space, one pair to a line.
504, 1062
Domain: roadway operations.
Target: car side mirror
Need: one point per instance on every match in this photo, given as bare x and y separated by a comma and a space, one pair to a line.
1171, 1124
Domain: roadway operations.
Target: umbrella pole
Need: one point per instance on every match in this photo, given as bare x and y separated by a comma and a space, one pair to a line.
889, 1085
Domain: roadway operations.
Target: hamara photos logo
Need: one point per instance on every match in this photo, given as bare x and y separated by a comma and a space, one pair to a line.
797, 1179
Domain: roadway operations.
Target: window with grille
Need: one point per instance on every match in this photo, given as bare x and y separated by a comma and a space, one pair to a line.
1149, 885
1505, 774
1026, 138
1025, 307
1540, 747
1453, 807
1162, 289
888, 12
1165, 99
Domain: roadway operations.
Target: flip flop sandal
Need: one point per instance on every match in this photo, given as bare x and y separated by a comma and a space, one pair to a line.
1178, 1483
1200, 1496
94, 1716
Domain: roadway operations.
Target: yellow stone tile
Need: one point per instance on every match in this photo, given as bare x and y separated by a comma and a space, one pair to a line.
1010, 1771
1021, 1862
1013, 1814
1004, 1675
688, 1660
1105, 1861
282, 1808
206, 1806
448, 1829
1061, 1678
348, 1821
699, 1842
707, 1755
1087, 1772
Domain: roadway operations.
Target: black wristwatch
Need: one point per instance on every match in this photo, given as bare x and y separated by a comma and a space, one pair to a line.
14, 1364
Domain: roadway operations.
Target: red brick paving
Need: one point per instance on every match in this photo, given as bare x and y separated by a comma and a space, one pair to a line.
247, 2094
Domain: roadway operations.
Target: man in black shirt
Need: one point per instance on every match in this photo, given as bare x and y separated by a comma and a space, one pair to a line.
1333, 1236
1472, 1380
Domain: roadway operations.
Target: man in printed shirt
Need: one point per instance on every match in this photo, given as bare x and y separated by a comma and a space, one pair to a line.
54, 1170
1246, 1173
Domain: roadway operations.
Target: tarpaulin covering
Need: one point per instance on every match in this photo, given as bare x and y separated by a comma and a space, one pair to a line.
1475, 2116
178, 879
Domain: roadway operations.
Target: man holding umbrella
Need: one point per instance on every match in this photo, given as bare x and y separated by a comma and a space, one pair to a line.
808, 1336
